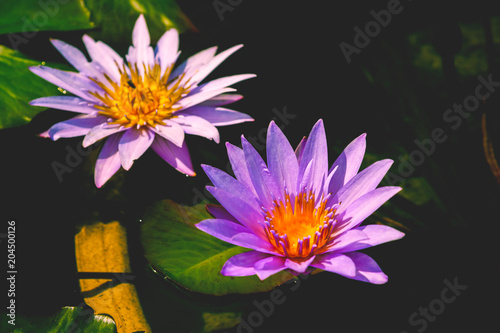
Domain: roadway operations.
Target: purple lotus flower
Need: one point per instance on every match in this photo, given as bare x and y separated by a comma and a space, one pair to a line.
141, 102
296, 214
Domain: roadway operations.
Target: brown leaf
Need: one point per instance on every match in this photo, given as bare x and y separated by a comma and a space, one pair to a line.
103, 248
488, 151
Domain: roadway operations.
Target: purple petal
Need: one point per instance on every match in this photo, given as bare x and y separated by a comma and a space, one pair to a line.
133, 144
281, 158
104, 57
66, 103
242, 264
343, 241
367, 269
363, 207
262, 180
222, 100
172, 131
336, 263
220, 212
239, 166
202, 96
108, 162
221, 83
167, 49
195, 125
227, 183
75, 83
194, 63
213, 63
242, 211
266, 267
300, 149
315, 150
141, 53
300, 266
348, 163
364, 182
377, 234
218, 116
74, 56
236, 234
178, 157
77, 126
101, 131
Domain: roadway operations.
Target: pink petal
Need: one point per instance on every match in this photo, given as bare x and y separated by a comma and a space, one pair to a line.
202, 96
172, 131
133, 144
194, 63
104, 57
367, 269
222, 100
242, 264
75, 83
266, 267
99, 132
195, 125
108, 162
77, 126
66, 103
214, 62
167, 49
220, 83
336, 263
218, 116
178, 157
299, 265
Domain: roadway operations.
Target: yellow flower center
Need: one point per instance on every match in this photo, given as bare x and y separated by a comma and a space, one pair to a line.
140, 100
301, 229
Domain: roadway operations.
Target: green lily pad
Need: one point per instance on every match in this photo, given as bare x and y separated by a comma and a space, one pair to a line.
24, 17
68, 320
192, 258
18, 86
115, 18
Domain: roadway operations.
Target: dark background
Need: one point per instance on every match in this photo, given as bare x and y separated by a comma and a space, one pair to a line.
393, 90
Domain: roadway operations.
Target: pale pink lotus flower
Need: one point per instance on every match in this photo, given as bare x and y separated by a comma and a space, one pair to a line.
141, 102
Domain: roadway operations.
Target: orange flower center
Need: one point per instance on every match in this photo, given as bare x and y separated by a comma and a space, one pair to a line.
140, 100
302, 228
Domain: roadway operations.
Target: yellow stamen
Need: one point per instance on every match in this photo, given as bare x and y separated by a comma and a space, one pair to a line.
302, 228
137, 100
